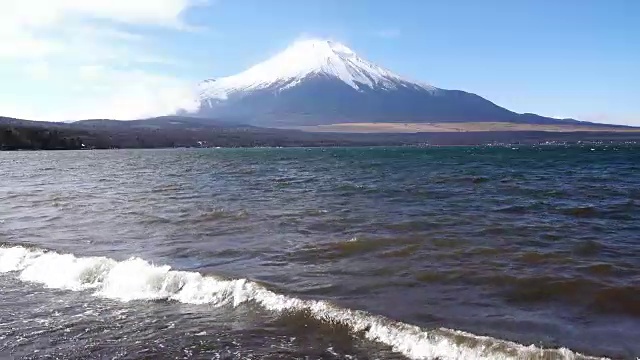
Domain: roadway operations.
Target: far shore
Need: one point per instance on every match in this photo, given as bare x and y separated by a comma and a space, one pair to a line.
458, 127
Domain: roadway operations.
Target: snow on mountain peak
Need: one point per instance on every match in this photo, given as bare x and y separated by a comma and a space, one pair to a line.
305, 58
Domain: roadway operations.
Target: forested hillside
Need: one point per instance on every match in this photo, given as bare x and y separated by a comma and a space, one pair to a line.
32, 138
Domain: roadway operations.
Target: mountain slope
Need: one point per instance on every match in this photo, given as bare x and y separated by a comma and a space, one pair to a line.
317, 82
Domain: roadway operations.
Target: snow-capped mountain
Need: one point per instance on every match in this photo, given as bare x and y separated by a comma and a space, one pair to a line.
302, 60
322, 82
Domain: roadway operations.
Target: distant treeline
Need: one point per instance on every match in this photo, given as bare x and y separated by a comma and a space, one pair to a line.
27, 138
176, 131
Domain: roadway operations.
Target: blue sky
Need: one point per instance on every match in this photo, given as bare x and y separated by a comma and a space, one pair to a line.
72, 59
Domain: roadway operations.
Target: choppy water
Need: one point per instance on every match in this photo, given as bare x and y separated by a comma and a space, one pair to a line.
447, 253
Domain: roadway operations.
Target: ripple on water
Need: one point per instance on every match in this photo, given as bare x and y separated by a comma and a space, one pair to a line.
591, 295
581, 211
468, 233
538, 258
588, 248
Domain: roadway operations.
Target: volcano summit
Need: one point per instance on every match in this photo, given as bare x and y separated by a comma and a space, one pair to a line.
319, 82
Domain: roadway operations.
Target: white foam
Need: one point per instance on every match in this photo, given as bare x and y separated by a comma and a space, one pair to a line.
137, 279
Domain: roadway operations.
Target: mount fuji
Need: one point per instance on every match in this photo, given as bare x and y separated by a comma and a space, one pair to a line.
317, 82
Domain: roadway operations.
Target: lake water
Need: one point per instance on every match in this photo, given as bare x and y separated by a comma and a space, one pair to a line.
341, 253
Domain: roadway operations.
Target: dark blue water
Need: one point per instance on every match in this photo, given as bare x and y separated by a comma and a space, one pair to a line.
449, 253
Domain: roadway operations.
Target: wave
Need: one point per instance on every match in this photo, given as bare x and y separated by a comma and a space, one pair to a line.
115, 280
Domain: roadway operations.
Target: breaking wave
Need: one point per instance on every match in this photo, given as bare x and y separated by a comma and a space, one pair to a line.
137, 279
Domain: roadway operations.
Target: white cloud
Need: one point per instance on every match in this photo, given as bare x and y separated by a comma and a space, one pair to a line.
132, 94
37, 70
36, 28
44, 13
18, 44
100, 92
104, 32
91, 72
14, 110
150, 97
98, 46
